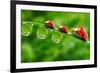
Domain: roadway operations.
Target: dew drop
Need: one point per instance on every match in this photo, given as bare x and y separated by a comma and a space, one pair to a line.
26, 29
57, 37
42, 33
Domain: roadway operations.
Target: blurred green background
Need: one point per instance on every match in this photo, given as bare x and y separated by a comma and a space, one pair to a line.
34, 49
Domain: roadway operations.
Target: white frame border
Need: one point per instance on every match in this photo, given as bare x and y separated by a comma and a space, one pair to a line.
20, 65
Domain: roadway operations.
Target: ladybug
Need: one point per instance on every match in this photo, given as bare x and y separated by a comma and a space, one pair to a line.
63, 29
49, 24
80, 32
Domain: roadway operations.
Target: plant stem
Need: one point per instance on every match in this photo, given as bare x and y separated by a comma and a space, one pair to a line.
31, 22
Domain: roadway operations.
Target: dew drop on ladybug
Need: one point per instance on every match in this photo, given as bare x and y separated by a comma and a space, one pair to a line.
49, 24
80, 32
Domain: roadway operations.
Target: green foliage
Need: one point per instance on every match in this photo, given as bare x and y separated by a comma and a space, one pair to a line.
35, 49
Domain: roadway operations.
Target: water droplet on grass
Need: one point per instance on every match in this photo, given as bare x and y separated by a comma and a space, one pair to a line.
26, 29
42, 33
57, 37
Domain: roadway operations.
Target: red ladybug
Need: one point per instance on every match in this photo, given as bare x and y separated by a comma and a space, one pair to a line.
63, 29
49, 23
81, 32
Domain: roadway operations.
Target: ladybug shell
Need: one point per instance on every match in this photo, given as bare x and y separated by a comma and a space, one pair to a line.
63, 29
81, 32
49, 23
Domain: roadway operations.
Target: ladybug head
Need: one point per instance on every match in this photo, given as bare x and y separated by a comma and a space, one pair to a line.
74, 29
